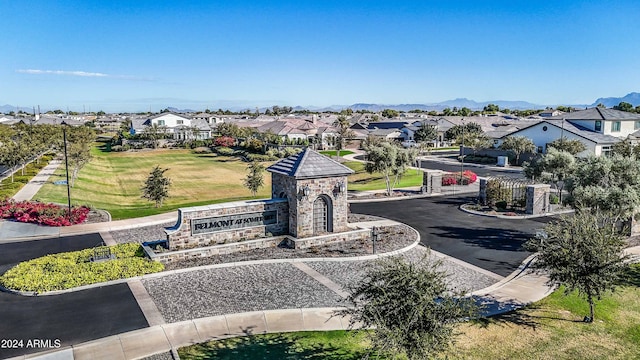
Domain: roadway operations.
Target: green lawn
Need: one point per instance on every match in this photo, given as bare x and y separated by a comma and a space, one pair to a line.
549, 329
362, 181
335, 152
9, 188
113, 180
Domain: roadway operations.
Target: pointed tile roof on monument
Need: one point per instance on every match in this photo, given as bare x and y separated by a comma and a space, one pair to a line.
309, 164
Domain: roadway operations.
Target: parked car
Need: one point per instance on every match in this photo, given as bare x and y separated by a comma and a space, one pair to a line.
409, 143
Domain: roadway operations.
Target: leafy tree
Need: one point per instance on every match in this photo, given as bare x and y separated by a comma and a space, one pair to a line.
447, 112
465, 111
254, 180
409, 307
344, 133
626, 149
475, 141
389, 160
156, 187
608, 184
455, 131
573, 146
491, 109
390, 113
10, 155
155, 132
624, 106
426, 132
79, 141
518, 145
555, 167
582, 252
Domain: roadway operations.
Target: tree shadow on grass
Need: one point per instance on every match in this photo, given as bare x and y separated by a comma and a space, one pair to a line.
271, 347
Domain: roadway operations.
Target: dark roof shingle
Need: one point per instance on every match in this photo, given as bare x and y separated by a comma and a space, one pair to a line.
309, 164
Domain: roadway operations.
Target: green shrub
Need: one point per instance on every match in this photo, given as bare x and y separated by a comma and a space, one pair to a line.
224, 151
554, 199
501, 205
260, 157
73, 269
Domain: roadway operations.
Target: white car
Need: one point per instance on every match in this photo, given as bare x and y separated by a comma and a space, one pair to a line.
409, 143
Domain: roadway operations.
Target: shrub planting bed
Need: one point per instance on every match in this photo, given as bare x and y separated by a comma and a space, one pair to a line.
73, 269
42, 213
457, 178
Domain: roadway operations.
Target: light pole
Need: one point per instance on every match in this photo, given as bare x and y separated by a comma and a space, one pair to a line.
66, 165
462, 152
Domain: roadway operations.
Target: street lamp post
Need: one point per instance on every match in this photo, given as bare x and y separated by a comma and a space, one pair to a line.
462, 152
66, 165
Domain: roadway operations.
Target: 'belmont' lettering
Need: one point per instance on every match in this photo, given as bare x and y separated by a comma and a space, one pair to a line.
231, 222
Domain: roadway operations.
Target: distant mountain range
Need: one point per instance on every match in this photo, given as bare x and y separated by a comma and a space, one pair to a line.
631, 98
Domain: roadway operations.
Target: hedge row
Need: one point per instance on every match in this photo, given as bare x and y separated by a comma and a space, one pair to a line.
73, 269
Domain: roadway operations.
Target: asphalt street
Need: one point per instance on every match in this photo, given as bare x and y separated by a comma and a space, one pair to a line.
490, 243
479, 170
69, 318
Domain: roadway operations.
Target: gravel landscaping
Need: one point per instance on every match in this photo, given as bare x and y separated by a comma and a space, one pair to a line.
349, 273
141, 234
237, 289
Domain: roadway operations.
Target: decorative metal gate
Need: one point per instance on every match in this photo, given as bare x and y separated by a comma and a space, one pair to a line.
507, 192
320, 216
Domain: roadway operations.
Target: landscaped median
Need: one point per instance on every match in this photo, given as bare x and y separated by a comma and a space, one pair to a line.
72, 269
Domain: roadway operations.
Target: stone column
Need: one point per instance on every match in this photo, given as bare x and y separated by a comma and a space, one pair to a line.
432, 181
537, 199
482, 194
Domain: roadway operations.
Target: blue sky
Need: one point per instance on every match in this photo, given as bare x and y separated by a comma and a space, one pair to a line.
136, 55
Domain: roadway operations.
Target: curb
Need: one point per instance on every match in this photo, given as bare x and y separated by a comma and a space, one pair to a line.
223, 265
515, 217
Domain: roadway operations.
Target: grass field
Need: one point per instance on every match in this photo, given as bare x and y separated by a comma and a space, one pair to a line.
335, 152
362, 181
113, 181
9, 188
549, 329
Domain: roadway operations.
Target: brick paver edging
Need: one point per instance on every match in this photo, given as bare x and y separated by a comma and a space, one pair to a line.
224, 265
169, 337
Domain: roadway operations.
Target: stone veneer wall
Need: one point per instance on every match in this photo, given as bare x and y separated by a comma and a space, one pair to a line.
322, 240
169, 256
180, 237
301, 208
537, 199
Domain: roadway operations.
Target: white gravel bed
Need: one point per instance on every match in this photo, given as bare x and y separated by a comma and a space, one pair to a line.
350, 272
213, 292
141, 234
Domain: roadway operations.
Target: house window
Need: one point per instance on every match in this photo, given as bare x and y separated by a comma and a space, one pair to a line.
636, 125
180, 122
598, 125
160, 122
615, 126
606, 150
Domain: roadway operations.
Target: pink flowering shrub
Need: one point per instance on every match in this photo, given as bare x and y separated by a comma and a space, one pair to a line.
41, 213
468, 177
224, 141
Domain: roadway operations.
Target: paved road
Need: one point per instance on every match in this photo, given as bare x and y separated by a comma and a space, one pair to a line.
481, 171
453, 167
72, 318
15, 252
490, 243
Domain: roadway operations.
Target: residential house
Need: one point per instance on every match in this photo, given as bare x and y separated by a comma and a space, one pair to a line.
181, 127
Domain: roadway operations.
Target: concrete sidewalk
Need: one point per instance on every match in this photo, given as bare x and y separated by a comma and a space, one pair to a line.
33, 186
521, 288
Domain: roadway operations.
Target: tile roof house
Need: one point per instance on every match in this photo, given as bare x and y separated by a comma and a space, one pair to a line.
181, 127
598, 128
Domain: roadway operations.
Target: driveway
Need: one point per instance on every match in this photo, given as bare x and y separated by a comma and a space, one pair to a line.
71, 318
490, 243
